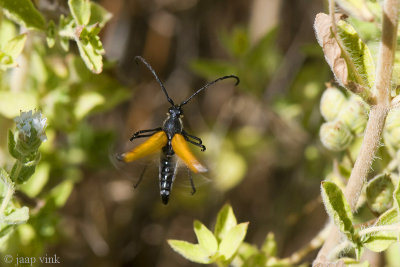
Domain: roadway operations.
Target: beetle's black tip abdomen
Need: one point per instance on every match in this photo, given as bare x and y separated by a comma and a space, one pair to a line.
165, 197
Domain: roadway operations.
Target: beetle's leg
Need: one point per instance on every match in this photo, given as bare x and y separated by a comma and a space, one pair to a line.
140, 177
191, 182
199, 143
140, 134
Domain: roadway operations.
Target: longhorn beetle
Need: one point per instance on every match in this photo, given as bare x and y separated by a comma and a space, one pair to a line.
171, 139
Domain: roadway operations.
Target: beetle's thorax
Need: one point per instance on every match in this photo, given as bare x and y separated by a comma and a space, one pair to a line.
173, 122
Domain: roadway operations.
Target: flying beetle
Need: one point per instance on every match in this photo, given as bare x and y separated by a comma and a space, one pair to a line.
171, 139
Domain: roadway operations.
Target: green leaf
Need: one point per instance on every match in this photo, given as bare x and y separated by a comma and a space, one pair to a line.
60, 194
15, 46
17, 216
206, 238
338, 208
364, 72
381, 240
21, 172
99, 15
91, 48
51, 34
13, 102
232, 240
38, 180
349, 58
87, 102
269, 247
11, 146
192, 252
225, 221
11, 50
7, 31
380, 193
80, 10
24, 13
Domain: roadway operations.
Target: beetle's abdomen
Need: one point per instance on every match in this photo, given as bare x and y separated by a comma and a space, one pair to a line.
166, 173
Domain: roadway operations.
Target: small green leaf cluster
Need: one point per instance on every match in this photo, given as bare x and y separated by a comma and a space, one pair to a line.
383, 200
226, 247
10, 49
346, 119
82, 26
220, 246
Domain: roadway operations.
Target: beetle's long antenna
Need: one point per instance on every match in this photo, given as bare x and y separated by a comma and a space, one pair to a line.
207, 85
155, 76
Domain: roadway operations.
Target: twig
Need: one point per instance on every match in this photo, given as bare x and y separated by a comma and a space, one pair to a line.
376, 119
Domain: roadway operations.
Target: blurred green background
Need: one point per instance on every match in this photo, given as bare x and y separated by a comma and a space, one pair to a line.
263, 149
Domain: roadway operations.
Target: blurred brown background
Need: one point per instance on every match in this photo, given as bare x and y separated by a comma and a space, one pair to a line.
108, 223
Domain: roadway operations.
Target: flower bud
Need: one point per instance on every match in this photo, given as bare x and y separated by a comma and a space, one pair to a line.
335, 135
30, 132
331, 102
355, 115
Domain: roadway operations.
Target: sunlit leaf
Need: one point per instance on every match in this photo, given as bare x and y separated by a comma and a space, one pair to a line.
86, 102
91, 49
269, 246
13, 102
192, 252
381, 240
232, 240
225, 221
338, 209
15, 46
80, 10
24, 13
99, 15
205, 237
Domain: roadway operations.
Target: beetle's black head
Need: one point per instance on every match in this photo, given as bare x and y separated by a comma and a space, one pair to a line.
175, 111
